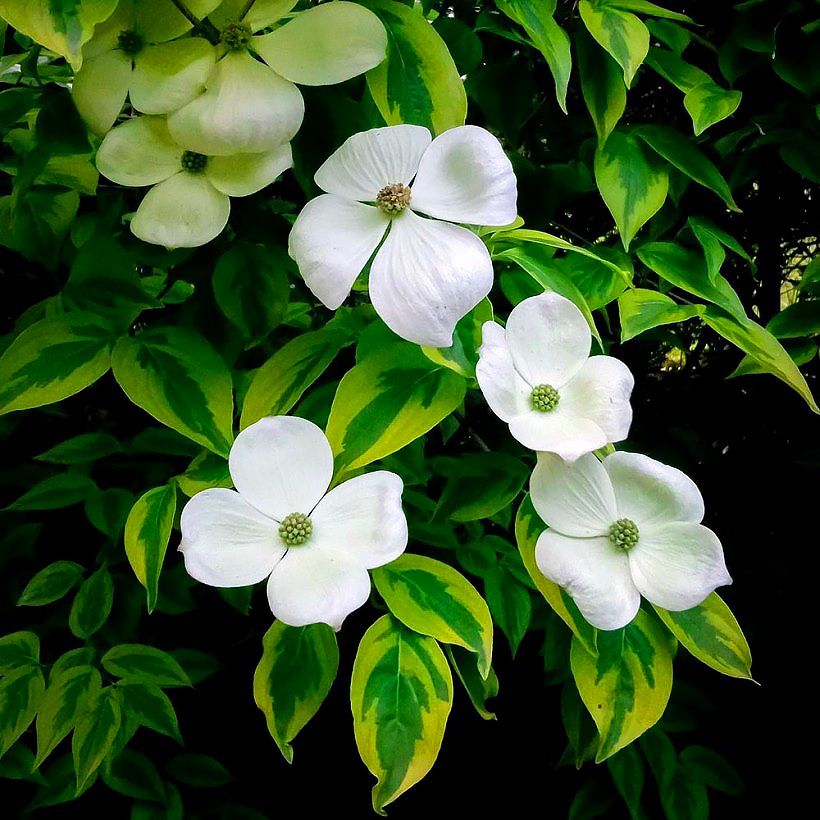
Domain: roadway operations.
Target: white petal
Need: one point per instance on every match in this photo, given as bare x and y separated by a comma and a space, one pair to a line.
99, 89
465, 176
312, 586
574, 499
600, 392
426, 276
504, 390
247, 109
549, 339
568, 436
169, 75
325, 45
226, 542
281, 465
262, 14
363, 519
650, 492
157, 21
185, 211
139, 152
677, 566
331, 241
244, 174
368, 161
594, 573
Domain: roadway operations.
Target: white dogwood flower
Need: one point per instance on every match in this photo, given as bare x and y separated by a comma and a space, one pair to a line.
426, 273
627, 527
251, 106
538, 376
315, 547
130, 54
189, 203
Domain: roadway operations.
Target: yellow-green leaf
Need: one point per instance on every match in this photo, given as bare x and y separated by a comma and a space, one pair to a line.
17, 650
401, 692
602, 84
712, 634
627, 685
436, 600
621, 33
708, 103
92, 604
21, 692
297, 668
642, 309
94, 734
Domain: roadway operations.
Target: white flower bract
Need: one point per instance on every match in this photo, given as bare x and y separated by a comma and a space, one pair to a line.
282, 466
622, 528
426, 273
545, 348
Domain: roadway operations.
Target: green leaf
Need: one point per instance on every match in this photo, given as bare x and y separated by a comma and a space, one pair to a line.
401, 692
72, 659
509, 602
712, 634
282, 380
297, 669
145, 704
479, 689
528, 526
18, 650
177, 377
708, 103
434, 599
627, 770
69, 690
674, 147
55, 492
108, 509
94, 733
626, 687
92, 604
537, 19
602, 85
462, 355
82, 449
251, 288
622, 34
632, 188
147, 533
197, 770
418, 83
206, 471
133, 774
674, 69
794, 321
645, 7
50, 583
711, 769
386, 401
53, 359
147, 663
641, 309
21, 692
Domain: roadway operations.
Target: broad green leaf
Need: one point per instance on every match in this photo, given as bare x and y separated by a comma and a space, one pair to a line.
645, 7
627, 770
641, 309
758, 343
53, 359
711, 769
632, 187
145, 704
712, 634
479, 689
108, 509
537, 19
146, 663
794, 321
94, 733
18, 762
71, 660
147, 532
82, 449
50, 583
602, 85
206, 471
685, 798
282, 380
55, 492
462, 43
621, 33
386, 401
673, 68
21, 692
418, 83
674, 147
251, 288
92, 604
133, 774
434, 599
198, 770
708, 103
297, 669
401, 692
528, 526
68, 691
626, 687
198, 666
510, 603
17, 650
177, 377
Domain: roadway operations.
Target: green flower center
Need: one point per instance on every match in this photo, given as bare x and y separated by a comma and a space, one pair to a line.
624, 534
544, 398
236, 36
130, 42
295, 529
393, 199
193, 162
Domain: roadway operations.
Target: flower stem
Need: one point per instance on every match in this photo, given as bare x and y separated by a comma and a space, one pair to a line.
204, 27
245, 9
